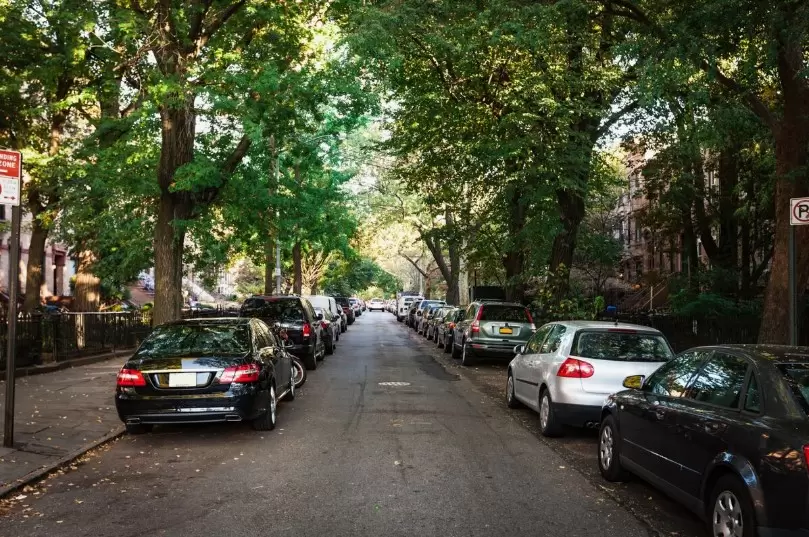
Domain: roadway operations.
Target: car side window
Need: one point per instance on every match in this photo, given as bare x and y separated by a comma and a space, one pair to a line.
470, 312
554, 339
720, 381
533, 345
752, 400
672, 378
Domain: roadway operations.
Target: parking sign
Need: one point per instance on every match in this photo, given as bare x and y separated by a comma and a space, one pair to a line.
10, 175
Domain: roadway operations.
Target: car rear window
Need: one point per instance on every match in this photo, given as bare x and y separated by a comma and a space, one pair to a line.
195, 340
508, 314
622, 346
276, 310
797, 376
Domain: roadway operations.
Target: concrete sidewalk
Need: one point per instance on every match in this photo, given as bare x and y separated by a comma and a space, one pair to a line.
59, 416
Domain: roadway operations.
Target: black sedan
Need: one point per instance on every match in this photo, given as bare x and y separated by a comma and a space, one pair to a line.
725, 431
205, 370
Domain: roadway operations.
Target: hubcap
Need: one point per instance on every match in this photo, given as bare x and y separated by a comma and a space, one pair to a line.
272, 403
727, 516
605, 450
544, 411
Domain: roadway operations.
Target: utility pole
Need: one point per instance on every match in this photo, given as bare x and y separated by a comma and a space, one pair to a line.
268, 242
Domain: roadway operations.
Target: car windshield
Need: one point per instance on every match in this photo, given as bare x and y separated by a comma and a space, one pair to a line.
275, 310
501, 313
195, 340
797, 376
622, 346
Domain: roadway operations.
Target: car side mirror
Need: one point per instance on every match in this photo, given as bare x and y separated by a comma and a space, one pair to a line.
418, 313
267, 352
319, 316
634, 382
519, 349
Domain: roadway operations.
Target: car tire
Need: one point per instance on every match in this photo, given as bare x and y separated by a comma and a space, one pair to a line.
548, 424
138, 428
438, 342
330, 347
310, 361
609, 451
466, 357
399, 318
267, 420
448, 346
290, 395
455, 352
511, 399
730, 503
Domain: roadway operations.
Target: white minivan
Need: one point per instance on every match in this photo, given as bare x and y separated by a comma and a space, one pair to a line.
329, 304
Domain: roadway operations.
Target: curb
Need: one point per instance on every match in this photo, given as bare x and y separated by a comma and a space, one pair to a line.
40, 473
76, 362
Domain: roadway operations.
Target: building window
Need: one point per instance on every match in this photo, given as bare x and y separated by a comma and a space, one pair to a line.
2, 212
637, 232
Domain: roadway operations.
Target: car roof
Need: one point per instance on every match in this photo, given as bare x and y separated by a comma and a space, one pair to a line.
487, 302
216, 321
600, 325
781, 353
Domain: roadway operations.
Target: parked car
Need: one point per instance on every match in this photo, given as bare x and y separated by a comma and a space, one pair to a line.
331, 330
376, 304
391, 306
491, 329
567, 369
403, 306
417, 311
436, 318
356, 306
724, 430
345, 304
333, 311
205, 370
426, 318
445, 330
296, 316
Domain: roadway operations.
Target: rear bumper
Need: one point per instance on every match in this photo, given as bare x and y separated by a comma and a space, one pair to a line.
576, 415
302, 350
164, 410
491, 350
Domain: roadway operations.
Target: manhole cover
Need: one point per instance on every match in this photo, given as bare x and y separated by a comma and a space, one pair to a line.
394, 384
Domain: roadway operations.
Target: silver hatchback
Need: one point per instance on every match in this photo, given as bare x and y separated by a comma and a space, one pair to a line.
567, 369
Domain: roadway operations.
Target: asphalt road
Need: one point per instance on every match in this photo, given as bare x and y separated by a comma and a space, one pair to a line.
431, 454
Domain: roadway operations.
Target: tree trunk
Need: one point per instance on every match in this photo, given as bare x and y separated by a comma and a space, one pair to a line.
34, 279
791, 159
88, 286
571, 207
269, 266
297, 271
177, 149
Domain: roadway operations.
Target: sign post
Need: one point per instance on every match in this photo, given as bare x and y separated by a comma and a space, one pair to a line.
10, 187
798, 216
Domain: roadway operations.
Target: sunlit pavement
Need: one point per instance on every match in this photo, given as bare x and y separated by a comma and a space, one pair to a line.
382, 440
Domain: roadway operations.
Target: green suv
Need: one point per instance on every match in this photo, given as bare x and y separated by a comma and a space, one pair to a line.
491, 329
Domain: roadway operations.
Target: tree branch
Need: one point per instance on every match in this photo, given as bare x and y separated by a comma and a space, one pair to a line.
216, 24
415, 264
442, 75
614, 118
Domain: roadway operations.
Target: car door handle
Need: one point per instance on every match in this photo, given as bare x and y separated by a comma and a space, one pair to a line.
660, 413
714, 427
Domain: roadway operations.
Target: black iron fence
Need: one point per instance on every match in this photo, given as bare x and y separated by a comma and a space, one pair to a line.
44, 338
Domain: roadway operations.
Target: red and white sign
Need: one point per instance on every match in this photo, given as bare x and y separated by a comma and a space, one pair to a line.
799, 211
10, 176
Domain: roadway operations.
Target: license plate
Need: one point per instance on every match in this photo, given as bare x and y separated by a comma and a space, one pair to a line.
182, 380
506, 330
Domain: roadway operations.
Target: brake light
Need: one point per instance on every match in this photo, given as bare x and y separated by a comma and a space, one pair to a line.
575, 369
451, 326
475, 327
130, 378
324, 324
622, 330
806, 456
240, 373
307, 330
528, 314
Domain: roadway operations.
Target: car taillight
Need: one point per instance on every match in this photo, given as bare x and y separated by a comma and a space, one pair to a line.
528, 314
451, 326
575, 369
307, 330
475, 327
806, 456
324, 324
130, 378
240, 373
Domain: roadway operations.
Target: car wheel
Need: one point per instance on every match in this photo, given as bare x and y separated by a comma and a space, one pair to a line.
398, 318
609, 451
731, 509
310, 361
438, 342
511, 399
448, 346
330, 347
290, 395
455, 352
548, 424
266, 422
138, 428
466, 357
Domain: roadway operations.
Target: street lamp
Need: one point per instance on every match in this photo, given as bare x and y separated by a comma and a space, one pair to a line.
277, 272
